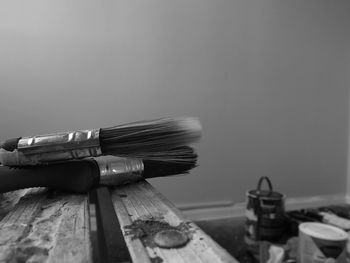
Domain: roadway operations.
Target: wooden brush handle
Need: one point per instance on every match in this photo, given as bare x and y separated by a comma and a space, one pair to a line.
75, 176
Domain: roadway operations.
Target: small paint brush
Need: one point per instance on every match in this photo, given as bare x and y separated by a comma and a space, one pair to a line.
150, 140
82, 175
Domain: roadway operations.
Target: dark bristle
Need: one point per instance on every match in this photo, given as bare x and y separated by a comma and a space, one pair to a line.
149, 139
180, 164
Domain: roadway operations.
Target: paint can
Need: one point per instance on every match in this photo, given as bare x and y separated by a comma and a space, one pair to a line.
321, 243
265, 213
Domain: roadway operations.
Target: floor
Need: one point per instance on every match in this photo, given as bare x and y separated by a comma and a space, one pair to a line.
229, 233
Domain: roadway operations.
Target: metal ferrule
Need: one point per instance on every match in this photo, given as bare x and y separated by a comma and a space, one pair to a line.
118, 171
61, 146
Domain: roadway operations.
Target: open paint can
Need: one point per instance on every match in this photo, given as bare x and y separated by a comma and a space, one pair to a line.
321, 243
265, 215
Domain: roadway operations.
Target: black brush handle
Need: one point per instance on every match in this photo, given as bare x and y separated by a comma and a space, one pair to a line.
74, 176
10, 144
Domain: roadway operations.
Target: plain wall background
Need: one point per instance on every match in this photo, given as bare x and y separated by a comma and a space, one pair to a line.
268, 79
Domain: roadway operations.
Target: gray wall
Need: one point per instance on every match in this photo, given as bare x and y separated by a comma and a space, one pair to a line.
268, 79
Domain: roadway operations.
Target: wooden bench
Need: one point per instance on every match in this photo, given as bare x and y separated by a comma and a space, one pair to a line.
108, 225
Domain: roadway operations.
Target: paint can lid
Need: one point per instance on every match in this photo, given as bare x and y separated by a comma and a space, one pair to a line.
323, 231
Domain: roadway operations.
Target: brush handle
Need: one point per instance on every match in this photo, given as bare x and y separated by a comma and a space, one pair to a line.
48, 148
75, 176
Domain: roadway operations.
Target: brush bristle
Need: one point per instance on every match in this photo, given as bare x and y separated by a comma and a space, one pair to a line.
150, 139
180, 161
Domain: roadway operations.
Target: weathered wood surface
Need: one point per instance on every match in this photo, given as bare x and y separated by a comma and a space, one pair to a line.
43, 227
141, 201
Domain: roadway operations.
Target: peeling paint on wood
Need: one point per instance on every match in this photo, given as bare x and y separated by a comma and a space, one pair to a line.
46, 228
9, 200
141, 201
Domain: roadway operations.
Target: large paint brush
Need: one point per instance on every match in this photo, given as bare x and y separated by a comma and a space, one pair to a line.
82, 175
151, 140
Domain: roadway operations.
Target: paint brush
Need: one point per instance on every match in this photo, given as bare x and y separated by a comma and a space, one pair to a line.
151, 140
82, 175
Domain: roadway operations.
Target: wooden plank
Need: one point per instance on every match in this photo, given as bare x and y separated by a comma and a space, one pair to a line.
9, 200
136, 249
72, 241
140, 204
16, 225
46, 228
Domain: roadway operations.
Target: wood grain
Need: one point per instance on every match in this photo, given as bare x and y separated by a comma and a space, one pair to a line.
46, 228
142, 201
